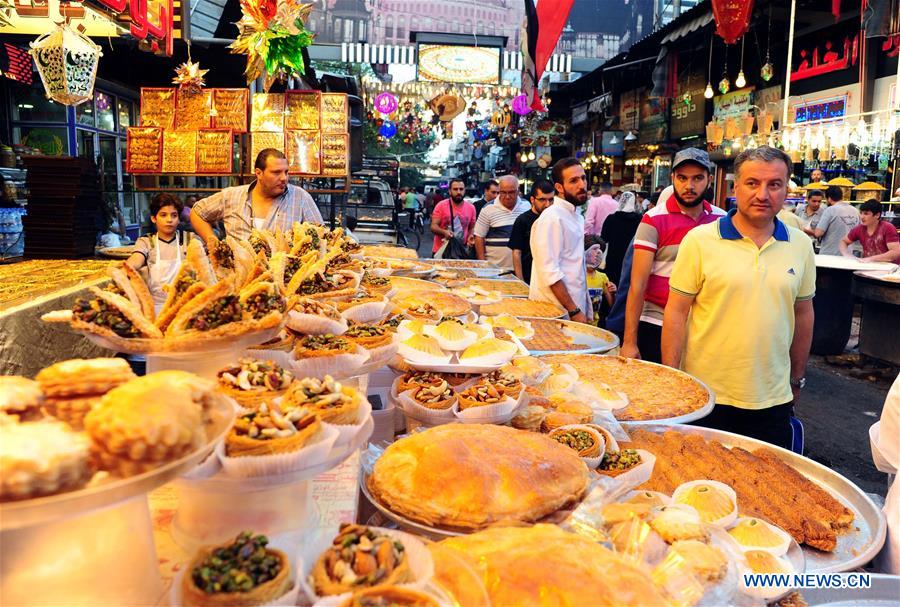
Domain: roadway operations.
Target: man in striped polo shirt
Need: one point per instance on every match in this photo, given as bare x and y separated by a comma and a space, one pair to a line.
655, 248
495, 223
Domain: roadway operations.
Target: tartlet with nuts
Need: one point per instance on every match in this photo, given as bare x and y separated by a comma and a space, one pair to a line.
328, 399
360, 557
242, 573
369, 336
482, 394
438, 395
268, 430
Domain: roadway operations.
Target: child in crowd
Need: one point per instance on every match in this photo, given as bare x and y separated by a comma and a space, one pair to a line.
160, 254
601, 290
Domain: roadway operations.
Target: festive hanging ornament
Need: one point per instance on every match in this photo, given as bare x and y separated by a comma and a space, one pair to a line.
388, 129
272, 35
724, 85
500, 119
767, 70
189, 77
732, 18
67, 61
386, 103
520, 105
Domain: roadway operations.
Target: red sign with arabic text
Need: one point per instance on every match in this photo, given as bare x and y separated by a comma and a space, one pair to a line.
150, 20
732, 18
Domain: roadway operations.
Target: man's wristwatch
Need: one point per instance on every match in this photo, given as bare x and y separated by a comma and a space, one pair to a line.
798, 383
574, 312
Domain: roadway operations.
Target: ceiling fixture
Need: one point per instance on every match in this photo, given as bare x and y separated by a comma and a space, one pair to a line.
614, 140
524, 157
630, 136
741, 81
531, 155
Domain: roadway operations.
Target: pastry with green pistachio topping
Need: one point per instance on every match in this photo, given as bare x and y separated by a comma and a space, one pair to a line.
317, 346
360, 557
243, 573
369, 336
251, 381
615, 463
111, 315
585, 441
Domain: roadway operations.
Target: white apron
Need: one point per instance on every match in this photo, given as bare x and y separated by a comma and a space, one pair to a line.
163, 272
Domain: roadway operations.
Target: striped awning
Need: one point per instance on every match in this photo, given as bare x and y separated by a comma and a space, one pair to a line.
406, 55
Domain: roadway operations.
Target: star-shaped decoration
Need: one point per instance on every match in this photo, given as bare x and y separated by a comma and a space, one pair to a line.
189, 77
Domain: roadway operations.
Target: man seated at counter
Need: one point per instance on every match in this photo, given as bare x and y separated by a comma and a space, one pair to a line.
878, 238
269, 203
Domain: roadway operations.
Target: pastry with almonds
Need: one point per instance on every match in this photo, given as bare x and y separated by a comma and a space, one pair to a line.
251, 382
330, 400
268, 430
360, 557
435, 396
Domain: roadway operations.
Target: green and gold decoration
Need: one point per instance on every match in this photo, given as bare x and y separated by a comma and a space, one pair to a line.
272, 35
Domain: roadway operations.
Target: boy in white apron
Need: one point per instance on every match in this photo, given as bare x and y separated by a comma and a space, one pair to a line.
161, 253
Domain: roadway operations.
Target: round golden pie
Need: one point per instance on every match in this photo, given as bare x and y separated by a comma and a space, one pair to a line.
469, 476
523, 307
444, 302
544, 566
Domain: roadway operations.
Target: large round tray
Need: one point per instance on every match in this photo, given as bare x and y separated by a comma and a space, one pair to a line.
883, 592
700, 413
46, 509
188, 345
854, 549
593, 340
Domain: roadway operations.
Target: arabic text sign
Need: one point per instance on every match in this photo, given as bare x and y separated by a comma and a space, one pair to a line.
688, 116
148, 19
811, 64
820, 110
732, 104
629, 110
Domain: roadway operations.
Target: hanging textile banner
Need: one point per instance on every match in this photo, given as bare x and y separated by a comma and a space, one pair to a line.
732, 18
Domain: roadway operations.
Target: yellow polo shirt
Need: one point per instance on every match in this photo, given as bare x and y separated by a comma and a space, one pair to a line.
741, 323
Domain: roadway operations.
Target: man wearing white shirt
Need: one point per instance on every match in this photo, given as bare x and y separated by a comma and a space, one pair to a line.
557, 245
495, 222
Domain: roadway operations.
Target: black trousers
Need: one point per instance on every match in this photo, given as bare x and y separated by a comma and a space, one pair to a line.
649, 341
772, 425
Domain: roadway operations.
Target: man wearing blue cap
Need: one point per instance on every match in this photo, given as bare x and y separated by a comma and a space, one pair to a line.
655, 248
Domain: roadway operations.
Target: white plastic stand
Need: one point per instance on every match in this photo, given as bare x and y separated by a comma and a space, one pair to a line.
102, 557
204, 364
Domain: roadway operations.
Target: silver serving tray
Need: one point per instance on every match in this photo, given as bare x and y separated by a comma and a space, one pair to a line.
678, 419
593, 340
883, 592
854, 549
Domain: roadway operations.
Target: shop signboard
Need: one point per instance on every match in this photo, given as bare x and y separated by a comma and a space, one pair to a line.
733, 104
688, 112
629, 110
147, 20
827, 109
653, 119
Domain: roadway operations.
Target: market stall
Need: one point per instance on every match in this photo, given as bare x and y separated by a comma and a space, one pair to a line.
879, 291
278, 394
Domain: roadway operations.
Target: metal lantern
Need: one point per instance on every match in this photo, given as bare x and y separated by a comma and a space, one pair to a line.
67, 61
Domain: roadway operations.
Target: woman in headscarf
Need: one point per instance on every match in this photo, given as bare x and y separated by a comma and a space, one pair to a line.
618, 231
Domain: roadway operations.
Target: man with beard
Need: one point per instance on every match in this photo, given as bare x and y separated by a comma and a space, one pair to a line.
740, 313
655, 248
453, 217
557, 243
269, 203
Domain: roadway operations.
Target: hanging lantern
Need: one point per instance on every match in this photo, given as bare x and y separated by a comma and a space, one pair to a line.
732, 18
500, 120
724, 85
520, 105
386, 103
388, 129
67, 62
767, 71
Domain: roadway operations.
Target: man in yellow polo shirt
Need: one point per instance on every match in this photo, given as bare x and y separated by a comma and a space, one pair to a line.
739, 314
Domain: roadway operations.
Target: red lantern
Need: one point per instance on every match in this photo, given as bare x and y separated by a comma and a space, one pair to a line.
732, 18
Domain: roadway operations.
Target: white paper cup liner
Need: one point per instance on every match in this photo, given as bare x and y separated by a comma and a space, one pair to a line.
498, 413
313, 324
432, 417
724, 521
342, 365
421, 565
590, 462
285, 600
639, 474
347, 432
385, 352
279, 357
280, 463
365, 313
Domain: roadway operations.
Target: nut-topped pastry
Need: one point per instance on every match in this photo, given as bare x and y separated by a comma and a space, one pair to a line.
511, 385
252, 381
41, 458
268, 429
360, 557
422, 310
316, 346
243, 573
435, 396
332, 401
390, 596
482, 394
376, 284
369, 336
